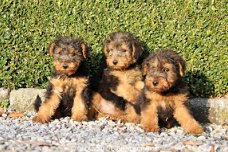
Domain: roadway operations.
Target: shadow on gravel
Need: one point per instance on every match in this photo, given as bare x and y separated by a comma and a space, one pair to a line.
201, 88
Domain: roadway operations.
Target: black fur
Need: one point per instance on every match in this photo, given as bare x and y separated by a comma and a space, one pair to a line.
37, 103
69, 91
86, 95
108, 83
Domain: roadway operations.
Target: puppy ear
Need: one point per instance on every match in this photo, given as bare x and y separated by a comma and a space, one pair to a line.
137, 50
182, 67
84, 50
105, 49
145, 68
52, 48
179, 61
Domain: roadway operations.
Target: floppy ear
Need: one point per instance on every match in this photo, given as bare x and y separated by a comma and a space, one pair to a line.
105, 49
52, 48
137, 50
84, 50
145, 68
182, 67
179, 60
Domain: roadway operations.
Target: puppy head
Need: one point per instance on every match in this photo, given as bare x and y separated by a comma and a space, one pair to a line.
121, 50
163, 69
68, 54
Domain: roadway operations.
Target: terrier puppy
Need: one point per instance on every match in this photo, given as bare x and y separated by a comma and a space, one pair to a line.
165, 94
68, 92
121, 81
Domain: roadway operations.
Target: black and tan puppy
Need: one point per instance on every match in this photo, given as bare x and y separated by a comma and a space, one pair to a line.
165, 93
121, 82
68, 91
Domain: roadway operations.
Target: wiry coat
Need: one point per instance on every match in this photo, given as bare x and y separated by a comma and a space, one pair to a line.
121, 82
165, 93
68, 92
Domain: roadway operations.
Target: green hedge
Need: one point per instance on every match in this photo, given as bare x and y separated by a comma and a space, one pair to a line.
195, 29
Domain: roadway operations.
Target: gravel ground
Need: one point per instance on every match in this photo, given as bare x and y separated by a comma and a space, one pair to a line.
65, 135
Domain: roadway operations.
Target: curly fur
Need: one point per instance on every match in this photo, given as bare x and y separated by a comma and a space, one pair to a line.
68, 92
165, 93
121, 81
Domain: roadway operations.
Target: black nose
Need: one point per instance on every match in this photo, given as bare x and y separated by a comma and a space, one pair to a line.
65, 66
114, 62
155, 83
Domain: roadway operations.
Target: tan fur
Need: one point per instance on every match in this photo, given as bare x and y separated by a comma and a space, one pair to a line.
177, 102
48, 108
79, 109
165, 93
130, 84
105, 108
68, 87
122, 80
131, 115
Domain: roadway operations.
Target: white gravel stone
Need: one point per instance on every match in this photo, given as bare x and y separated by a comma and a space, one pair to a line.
66, 135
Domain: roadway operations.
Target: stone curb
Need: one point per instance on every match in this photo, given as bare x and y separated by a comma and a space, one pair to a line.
23, 99
213, 110
205, 110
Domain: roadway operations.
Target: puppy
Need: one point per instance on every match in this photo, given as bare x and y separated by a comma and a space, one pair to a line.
165, 93
121, 82
68, 92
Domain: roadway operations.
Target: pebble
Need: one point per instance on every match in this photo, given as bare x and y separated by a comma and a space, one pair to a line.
65, 135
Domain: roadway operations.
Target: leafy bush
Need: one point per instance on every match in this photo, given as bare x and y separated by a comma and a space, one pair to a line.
195, 29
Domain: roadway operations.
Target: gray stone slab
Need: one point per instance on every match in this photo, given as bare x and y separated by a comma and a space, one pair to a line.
213, 110
23, 99
205, 110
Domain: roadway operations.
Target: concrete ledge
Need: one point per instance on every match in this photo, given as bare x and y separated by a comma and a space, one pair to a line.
23, 99
213, 110
205, 110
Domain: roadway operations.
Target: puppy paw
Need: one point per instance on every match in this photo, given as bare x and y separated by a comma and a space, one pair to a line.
77, 117
151, 128
194, 128
40, 119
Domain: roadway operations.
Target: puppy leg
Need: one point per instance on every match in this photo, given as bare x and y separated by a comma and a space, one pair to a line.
131, 114
47, 109
106, 108
79, 109
186, 120
149, 118
128, 92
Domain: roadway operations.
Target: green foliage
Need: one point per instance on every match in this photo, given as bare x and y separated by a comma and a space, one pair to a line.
4, 104
195, 29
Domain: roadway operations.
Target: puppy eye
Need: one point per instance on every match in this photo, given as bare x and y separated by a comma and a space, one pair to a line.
124, 50
60, 52
165, 70
57, 51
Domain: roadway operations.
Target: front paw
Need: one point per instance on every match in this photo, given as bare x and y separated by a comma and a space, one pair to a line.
79, 117
151, 128
194, 128
40, 119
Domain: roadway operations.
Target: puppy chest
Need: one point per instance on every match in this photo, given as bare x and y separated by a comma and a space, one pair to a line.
68, 90
165, 112
128, 77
